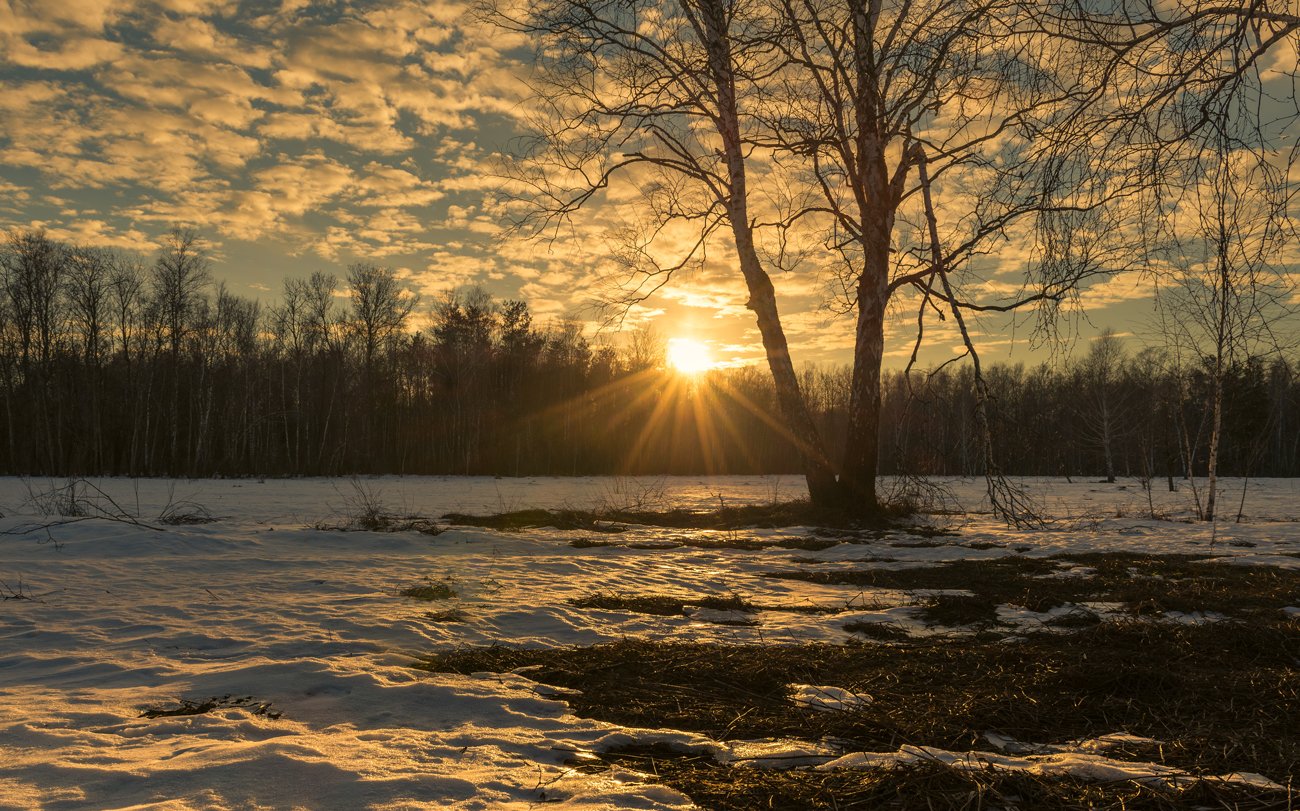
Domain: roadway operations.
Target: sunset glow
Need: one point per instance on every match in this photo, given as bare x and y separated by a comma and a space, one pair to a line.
689, 356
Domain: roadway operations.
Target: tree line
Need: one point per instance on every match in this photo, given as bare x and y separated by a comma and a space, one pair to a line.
114, 364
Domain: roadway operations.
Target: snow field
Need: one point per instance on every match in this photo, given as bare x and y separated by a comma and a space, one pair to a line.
119, 618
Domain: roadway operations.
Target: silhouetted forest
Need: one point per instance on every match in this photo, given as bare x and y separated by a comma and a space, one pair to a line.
114, 364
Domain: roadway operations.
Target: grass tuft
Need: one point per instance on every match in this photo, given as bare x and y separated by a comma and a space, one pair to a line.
185, 513
430, 591
661, 605
185, 706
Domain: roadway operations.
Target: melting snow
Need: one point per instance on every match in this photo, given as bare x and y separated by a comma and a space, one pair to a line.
834, 699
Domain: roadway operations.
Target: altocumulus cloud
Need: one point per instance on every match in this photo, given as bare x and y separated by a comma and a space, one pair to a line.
247, 120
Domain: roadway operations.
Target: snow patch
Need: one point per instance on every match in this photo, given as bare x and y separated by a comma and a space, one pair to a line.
827, 699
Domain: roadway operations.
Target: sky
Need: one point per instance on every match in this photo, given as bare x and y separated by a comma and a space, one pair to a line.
303, 135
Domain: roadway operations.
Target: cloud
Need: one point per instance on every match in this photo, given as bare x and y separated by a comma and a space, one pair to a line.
100, 234
296, 186
390, 186
196, 37
1117, 290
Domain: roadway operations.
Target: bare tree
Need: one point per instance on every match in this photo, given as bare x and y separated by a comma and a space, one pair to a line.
181, 275
1229, 288
1208, 89
34, 267
380, 306
178, 296
840, 104
646, 350
87, 287
126, 302
652, 94
931, 135
1103, 411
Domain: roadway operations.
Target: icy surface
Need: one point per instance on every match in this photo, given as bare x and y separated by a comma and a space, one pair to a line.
1080, 764
300, 639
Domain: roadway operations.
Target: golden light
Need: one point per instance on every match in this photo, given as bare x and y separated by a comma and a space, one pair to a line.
689, 356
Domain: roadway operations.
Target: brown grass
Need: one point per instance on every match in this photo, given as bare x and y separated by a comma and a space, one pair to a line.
1222, 697
834, 526
1147, 584
720, 787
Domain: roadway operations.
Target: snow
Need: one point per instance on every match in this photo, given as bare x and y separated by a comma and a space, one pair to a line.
825, 698
277, 617
1079, 764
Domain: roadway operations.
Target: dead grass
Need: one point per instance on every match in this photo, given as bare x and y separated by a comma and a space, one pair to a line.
665, 605
838, 526
185, 513
185, 706
429, 591
880, 631
1147, 584
661, 604
959, 609
1219, 697
18, 592
588, 543
449, 615
720, 787
366, 510
1222, 697
529, 519
382, 522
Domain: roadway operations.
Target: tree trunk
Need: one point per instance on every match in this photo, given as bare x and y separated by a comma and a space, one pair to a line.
1106, 430
1212, 460
822, 488
862, 446
820, 476
876, 202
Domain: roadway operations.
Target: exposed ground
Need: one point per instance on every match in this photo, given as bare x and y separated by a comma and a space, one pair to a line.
1210, 697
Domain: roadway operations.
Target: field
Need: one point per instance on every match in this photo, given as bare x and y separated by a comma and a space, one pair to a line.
341, 644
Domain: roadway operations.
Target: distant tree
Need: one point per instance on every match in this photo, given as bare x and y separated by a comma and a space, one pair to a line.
178, 285
88, 287
34, 267
1104, 412
380, 307
180, 277
646, 350
127, 302
465, 324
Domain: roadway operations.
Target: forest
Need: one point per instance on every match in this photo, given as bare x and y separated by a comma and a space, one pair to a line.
112, 363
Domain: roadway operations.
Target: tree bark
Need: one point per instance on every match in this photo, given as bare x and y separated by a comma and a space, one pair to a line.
862, 445
820, 476
874, 197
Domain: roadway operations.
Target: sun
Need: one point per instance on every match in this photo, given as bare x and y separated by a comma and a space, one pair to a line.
689, 356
